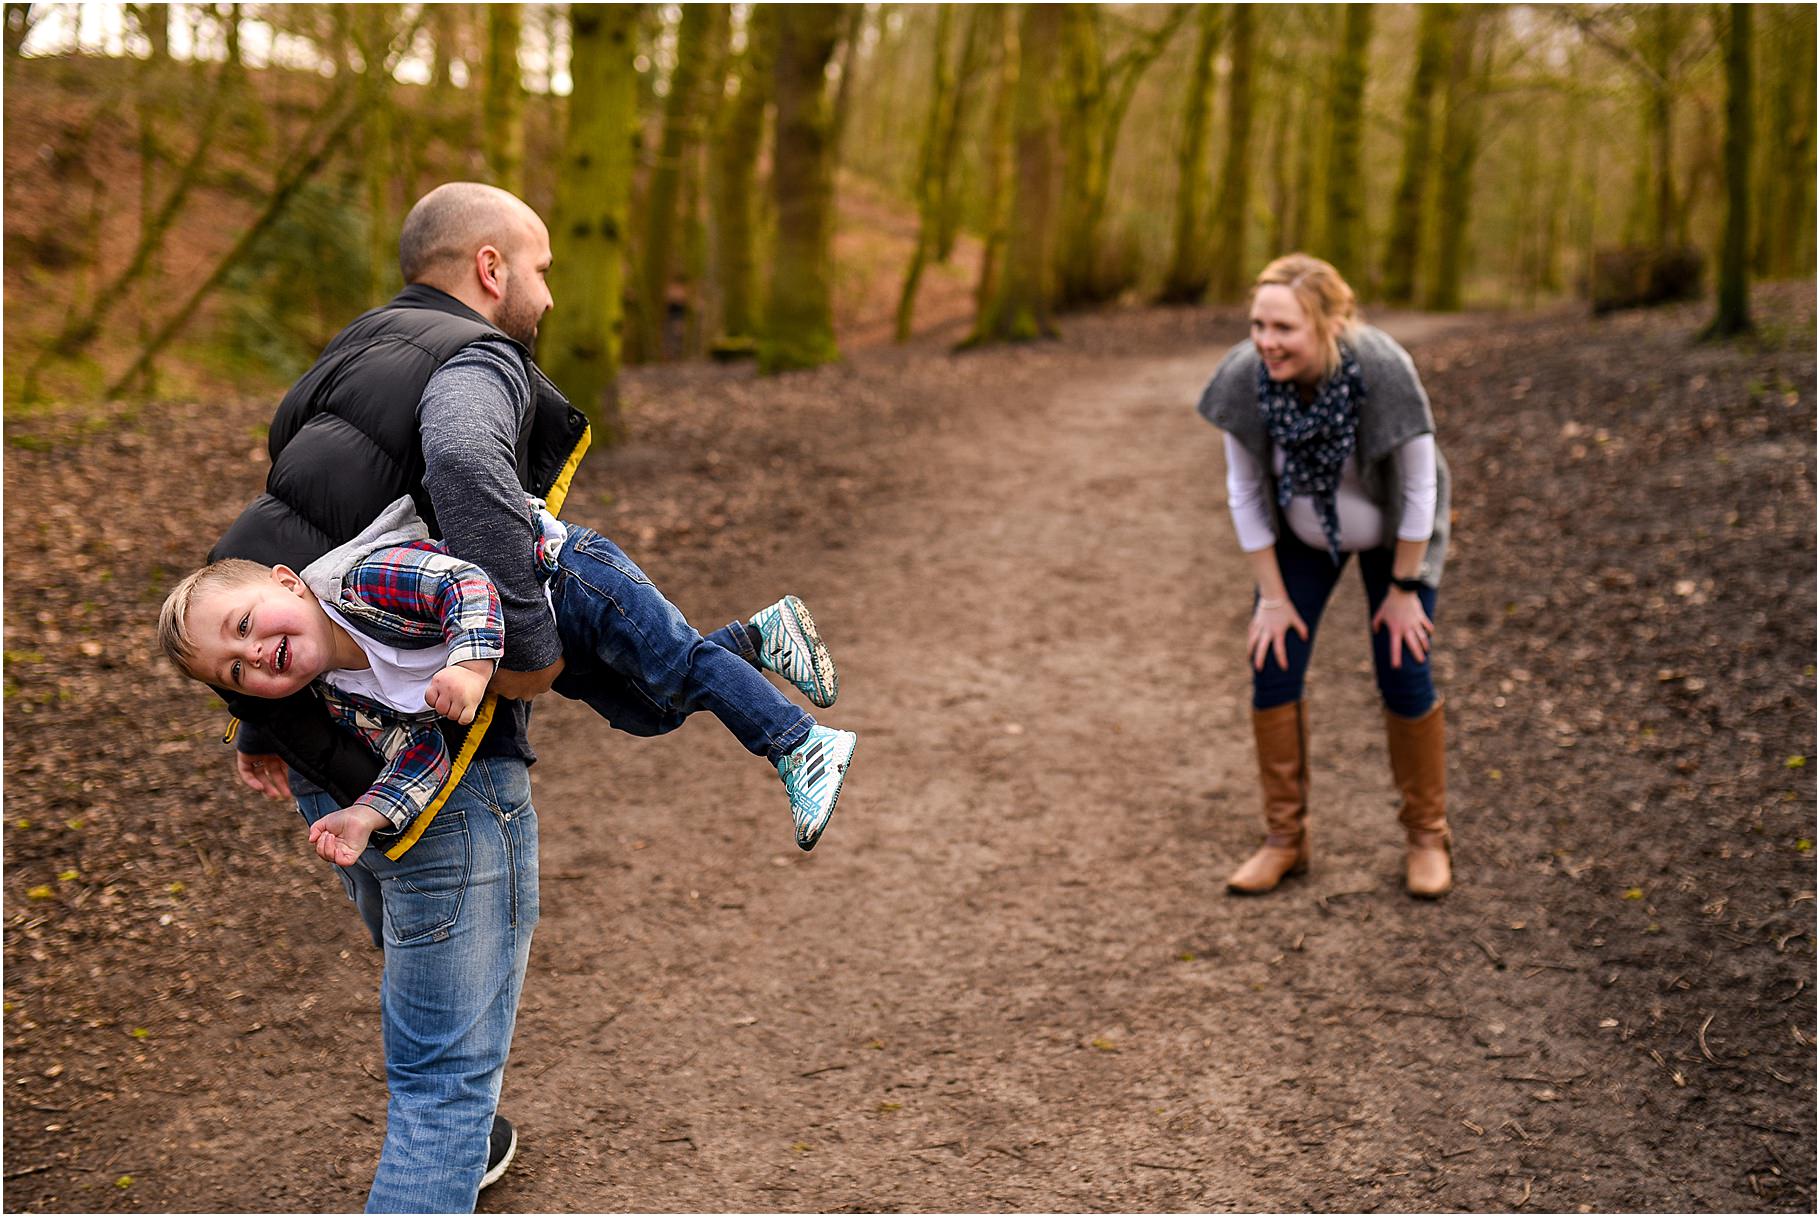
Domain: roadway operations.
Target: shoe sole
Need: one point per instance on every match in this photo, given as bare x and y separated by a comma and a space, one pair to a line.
840, 780
498, 1169
801, 628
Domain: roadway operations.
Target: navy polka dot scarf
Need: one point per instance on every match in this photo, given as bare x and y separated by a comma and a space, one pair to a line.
1316, 438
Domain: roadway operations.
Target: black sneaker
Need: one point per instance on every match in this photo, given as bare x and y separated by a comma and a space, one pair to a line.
502, 1144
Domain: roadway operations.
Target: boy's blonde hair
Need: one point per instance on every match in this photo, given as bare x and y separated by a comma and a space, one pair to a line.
174, 618
1323, 293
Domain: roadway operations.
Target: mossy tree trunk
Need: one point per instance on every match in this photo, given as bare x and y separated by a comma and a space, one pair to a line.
1733, 316
580, 344
1097, 96
799, 317
1403, 253
736, 147
1342, 226
927, 200
998, 160
1459, 153
373, 30
503, 127
1020, 308
1190, 266
1234, 203
699, 282
852, 34
1783, 193
974, 54
656, 253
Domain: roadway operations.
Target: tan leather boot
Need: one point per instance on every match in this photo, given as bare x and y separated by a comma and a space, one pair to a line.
1418, 758
1282, 737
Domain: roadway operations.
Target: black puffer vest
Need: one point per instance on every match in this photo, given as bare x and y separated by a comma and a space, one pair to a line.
344, 444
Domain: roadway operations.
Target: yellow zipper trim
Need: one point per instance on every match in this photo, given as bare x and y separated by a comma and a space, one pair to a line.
470, 743
559, 489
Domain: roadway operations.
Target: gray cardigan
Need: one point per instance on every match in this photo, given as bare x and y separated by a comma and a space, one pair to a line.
1394, 410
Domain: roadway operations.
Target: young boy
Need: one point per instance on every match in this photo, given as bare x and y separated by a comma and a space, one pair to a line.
394, 632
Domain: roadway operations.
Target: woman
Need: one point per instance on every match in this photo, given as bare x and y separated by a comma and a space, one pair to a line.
1330, 452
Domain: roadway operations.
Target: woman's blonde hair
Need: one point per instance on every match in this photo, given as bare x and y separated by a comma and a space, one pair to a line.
1324, 295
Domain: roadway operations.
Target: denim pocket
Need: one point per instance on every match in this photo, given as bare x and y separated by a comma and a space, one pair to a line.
597, 548
424, 889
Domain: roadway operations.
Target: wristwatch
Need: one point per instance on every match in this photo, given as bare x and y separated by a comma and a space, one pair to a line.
1407, 585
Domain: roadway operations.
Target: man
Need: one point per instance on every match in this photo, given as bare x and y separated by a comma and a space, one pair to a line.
434, 395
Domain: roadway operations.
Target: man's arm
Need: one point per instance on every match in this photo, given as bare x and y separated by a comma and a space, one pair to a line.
469, 419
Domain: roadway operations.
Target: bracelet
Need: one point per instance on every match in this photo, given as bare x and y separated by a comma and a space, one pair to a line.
1266, 602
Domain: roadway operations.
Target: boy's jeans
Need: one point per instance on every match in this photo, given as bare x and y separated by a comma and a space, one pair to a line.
632, 656
455, 916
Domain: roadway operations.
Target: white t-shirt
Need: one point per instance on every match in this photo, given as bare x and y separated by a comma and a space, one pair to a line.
398, 677
1361, 521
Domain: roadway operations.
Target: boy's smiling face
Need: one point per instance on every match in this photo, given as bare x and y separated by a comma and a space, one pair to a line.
263, 637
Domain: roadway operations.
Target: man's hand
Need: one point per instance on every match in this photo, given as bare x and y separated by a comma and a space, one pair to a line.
341, 836
267, 774
523, 686
455, 692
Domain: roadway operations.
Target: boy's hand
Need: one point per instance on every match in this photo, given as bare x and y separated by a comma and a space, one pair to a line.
455, 692
341, 836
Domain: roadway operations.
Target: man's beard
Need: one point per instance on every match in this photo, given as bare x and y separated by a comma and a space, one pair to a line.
518, 318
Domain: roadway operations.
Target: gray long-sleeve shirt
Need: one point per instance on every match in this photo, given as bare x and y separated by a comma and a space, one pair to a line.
469, 419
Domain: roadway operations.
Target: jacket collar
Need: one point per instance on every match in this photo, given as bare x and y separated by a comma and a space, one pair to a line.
422, 295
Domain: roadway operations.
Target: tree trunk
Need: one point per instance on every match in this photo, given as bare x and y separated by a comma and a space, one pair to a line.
735, 152
1341, 230
1733, 316
1459, 151
1234, 204
1783, 193
998, 163
504, 125
1097, 98
851, 36
1020, 309
580, 344
373, 32
973, 55
699, 283
926, 198
680, 135
799, 321
1189, 265
1404, 251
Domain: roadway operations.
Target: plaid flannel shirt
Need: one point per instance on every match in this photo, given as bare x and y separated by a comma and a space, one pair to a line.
413, 596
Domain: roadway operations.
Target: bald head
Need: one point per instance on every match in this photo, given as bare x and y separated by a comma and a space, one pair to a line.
450, 223
483, 246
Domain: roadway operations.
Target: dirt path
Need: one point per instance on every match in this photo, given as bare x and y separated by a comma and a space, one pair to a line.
1009, 977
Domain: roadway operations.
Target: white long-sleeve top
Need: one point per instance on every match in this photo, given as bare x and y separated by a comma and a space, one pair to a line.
1361, 520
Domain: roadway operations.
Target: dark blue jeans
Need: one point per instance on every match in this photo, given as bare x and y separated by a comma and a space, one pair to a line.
631, 655
1310, 575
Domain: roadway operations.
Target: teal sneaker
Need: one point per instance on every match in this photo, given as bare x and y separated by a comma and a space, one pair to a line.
812, 775
793, 648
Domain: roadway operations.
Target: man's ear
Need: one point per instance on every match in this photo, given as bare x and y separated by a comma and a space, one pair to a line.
289, 580
490, 267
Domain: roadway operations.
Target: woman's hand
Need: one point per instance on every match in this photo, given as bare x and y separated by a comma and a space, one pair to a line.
1270, 624
1402, 614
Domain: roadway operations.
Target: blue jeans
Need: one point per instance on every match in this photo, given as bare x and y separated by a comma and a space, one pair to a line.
455, 916
631, 655
1310, 576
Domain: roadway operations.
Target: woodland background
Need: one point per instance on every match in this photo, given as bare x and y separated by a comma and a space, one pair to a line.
199, 195
1038, 997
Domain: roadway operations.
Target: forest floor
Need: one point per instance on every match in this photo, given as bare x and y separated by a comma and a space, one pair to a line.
1009, 978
